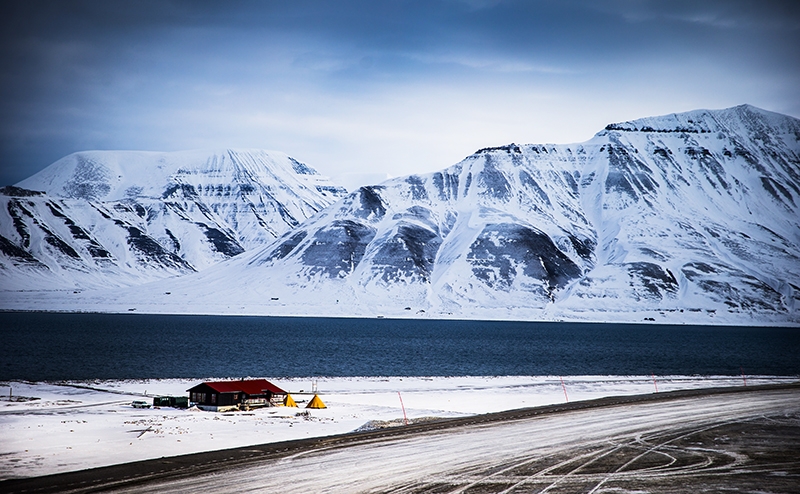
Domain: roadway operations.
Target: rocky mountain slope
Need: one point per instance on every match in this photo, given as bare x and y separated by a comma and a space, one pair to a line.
685, 217
690, 217
117, 218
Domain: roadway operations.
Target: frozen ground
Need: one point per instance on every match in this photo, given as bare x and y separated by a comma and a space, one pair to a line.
57, 427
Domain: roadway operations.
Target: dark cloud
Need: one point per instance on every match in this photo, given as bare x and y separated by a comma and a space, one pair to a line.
175, 74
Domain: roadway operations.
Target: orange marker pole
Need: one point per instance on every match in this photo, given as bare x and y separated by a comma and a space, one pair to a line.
654, 381
564, 388
405, 419
743, 378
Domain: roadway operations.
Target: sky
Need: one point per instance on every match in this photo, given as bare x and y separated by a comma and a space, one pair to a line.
365, 90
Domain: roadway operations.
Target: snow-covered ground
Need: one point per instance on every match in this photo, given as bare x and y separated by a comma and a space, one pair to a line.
57, 427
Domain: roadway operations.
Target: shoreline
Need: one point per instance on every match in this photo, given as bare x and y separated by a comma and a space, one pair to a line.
645, 321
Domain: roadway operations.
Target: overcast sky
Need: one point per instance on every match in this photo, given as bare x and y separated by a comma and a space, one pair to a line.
365, 89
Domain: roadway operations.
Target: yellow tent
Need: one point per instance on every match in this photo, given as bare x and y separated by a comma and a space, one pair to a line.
289, 401
316, 402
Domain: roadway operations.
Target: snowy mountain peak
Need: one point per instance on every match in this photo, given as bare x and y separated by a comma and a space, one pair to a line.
118, 175
123, 217
743, 120
688, 216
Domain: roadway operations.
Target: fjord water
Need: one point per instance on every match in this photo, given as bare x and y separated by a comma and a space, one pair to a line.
50, 346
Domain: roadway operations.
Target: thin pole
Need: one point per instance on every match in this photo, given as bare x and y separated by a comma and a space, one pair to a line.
743, 378
405, 418
564, 388
654, 381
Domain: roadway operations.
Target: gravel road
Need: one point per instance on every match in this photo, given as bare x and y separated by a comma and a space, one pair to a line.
736, 440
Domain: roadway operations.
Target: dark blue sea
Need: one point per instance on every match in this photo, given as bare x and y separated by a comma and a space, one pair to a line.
47, 346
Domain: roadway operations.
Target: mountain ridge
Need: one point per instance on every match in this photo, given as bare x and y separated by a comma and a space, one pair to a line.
688, 217
115, 218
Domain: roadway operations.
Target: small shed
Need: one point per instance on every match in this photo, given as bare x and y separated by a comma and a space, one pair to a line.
171, 401
219, 396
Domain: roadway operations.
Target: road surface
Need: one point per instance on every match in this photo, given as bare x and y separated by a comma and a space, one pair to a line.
736, 440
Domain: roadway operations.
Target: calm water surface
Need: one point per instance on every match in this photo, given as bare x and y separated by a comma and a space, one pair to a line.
42, 346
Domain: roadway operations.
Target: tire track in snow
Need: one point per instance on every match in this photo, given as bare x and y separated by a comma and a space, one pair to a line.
663, 413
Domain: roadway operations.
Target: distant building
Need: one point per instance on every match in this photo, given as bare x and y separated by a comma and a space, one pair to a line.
171, 401
220, 396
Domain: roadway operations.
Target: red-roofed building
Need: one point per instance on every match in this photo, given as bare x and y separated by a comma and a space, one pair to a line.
220, 396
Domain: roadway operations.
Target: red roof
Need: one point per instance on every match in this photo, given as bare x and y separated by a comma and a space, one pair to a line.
250, 387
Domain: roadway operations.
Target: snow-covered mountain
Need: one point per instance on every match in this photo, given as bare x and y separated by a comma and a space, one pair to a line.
116, 218
684, 217
689, 217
